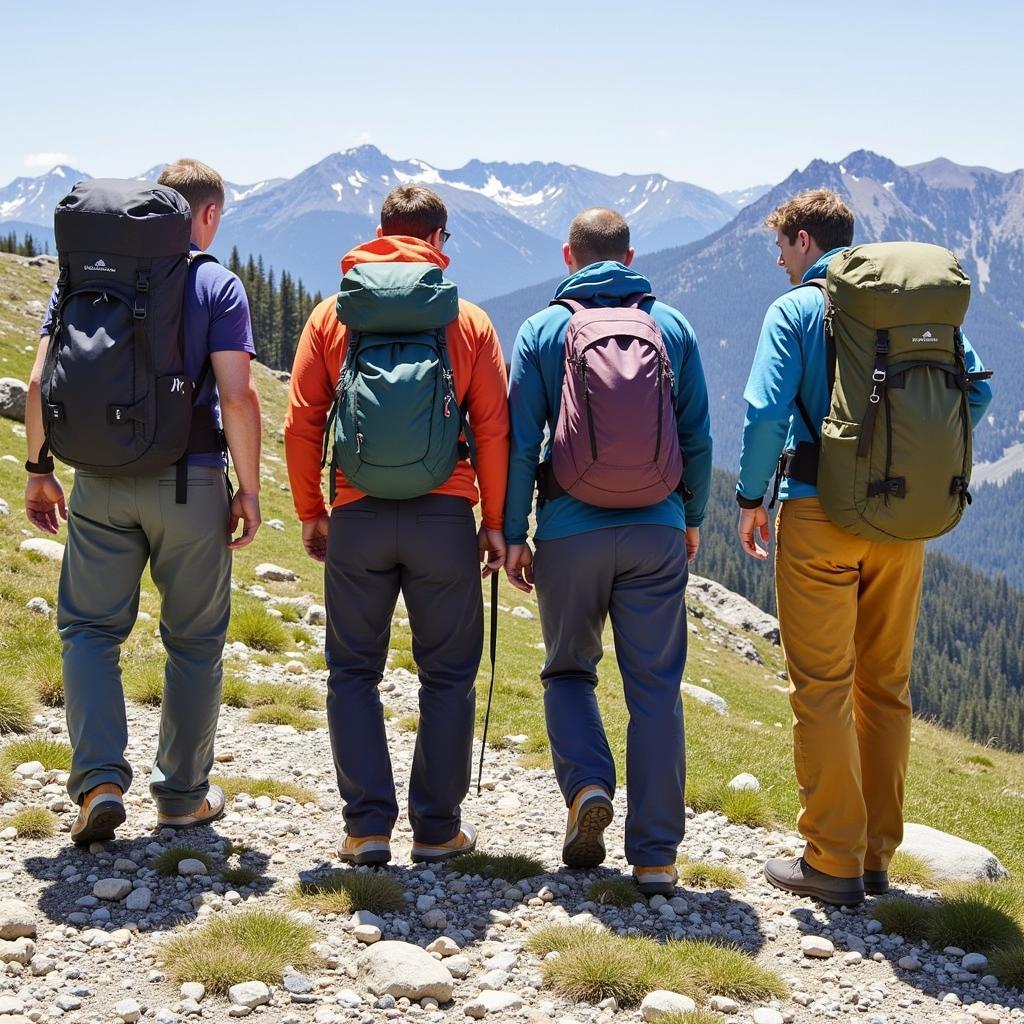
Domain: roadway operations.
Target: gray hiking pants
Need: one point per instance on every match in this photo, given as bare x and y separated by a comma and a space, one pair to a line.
426, 548
115, 526
636, 575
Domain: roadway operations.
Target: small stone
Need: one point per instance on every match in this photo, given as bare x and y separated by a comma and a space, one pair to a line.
766, 1015
458, 966
298, 984
10, 1005
268, 571
68, 1003
444, 946
112, 888
128, 1010
745, 781
138, 899
435, 919
193, 990
976, 963
17, 920
816, 947
192, 866
316, 615
249, 994
723, 1004
20, 951
909, 963
661, 1002
520, 612
38, 605
984, 1014
401, 969
493, 1002
125, 866
367, 934
853, 958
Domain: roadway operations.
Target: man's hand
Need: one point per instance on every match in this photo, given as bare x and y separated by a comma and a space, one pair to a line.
754, 521
244, 507
44, 502
519, 567
692, 542
314, 537
491, 544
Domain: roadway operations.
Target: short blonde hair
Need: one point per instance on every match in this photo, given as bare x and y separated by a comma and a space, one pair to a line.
196, 181
820, 212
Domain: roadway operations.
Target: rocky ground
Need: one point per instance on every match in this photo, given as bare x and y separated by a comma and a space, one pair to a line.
84, 942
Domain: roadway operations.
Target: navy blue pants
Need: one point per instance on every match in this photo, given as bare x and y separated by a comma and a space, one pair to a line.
636, 576
426, 548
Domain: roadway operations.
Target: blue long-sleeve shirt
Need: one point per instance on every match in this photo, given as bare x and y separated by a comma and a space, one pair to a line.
535, 392
791, 360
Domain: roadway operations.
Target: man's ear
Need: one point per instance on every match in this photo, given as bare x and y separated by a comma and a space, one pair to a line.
804, 239
380, 231
567, 257
435, 238
209, 217
630, 253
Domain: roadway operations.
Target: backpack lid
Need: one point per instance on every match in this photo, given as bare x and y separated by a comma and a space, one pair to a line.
897, 284
396, 298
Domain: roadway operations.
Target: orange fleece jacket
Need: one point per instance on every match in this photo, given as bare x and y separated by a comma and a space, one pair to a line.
481, 387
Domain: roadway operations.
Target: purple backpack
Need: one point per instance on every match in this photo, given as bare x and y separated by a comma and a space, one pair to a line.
616, 443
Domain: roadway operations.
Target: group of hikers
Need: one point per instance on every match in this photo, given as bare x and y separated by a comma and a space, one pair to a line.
600, 427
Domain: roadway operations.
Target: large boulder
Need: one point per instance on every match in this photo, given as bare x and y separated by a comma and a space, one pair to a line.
52, 549
951, 858
401, 969
13, 397
713, 701
732, 609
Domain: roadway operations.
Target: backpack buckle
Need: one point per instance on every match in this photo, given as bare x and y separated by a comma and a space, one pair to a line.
878, 376
142, 281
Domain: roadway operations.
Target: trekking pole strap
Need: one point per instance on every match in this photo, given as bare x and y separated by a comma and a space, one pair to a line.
490, 690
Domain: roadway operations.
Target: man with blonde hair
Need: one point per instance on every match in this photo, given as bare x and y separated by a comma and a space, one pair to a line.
179, 519
847, 605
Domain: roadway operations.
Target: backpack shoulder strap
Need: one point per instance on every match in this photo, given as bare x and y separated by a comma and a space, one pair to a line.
637, 300
573, 305
821, 286
197, 256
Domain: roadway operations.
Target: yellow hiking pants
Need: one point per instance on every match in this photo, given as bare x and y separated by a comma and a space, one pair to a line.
847, 614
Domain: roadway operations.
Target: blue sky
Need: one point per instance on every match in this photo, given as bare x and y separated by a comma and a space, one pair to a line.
723, 95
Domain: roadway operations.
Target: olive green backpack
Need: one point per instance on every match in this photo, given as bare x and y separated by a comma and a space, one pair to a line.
894, 460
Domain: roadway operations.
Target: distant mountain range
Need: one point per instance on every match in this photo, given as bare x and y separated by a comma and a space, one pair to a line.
507, 220
724, 283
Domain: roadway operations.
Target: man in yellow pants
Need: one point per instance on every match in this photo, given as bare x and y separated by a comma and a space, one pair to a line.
847, 606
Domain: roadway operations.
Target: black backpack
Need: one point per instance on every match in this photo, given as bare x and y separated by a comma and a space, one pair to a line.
116, 399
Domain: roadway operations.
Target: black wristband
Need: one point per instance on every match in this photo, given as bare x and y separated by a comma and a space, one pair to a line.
44, 466
749, 503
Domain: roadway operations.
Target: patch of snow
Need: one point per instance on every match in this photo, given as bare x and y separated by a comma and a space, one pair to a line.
427, 176
842, 168
9, 207
59, 172
357, 180
337, 186
889, 186
239, 194
636, 209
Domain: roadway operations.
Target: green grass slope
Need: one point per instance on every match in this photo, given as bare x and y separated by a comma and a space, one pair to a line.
954, 784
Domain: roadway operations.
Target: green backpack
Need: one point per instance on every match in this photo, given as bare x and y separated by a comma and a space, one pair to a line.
395, 420
894, 460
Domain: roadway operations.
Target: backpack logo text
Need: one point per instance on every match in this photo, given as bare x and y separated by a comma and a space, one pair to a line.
101, 266
926, 339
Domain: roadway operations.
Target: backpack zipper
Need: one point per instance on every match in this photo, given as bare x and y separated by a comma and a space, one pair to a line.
581, 366
661, 405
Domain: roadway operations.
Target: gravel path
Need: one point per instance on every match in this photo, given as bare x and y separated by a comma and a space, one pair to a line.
98, 917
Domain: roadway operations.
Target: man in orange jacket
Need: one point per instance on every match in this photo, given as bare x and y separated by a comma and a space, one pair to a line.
425, 547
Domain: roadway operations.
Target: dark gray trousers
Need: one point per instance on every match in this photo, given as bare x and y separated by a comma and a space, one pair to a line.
636, 575
426, 548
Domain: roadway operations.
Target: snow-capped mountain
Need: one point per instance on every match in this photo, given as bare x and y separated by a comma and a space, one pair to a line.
233, 193
724, 282
30, 201
738, 198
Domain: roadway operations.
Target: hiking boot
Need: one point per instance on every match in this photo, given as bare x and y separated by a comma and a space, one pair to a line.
365, 850
795, 875
590, 813
206, 813
102, 811
876, 883
658, 881
427, 853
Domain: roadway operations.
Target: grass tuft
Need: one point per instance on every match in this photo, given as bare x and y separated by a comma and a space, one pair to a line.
235, 692
289, 613
980, 916
43, 670
699, 874
513, 867
908, 918
615, 892
1008, 966
17, 708
167, 862
274, 788
408, 723
254, 626
594, 965
305, 697
906, 869
8, 784
740, 806
33, 823
343, 892
144, 683
251, 946
51, 754
240, 876
284, 714
692, 1017
979, 759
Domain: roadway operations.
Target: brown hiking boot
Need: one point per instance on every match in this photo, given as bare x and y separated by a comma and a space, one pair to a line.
208, 811
426, 853
365, 850
589, 815
102, 811
656, 881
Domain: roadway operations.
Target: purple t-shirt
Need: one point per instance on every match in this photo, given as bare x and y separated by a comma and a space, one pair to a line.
216, 320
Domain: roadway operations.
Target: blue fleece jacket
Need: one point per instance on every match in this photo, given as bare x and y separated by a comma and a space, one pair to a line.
791, 360
535, 393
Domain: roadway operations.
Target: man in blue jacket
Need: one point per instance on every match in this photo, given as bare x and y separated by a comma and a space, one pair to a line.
847, 606
626, 563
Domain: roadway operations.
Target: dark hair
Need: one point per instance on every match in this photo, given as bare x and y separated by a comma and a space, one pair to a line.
198, 183
821, 213
598, 234
412, 210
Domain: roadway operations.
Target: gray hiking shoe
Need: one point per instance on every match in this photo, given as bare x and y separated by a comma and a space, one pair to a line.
876, 883
795, 875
